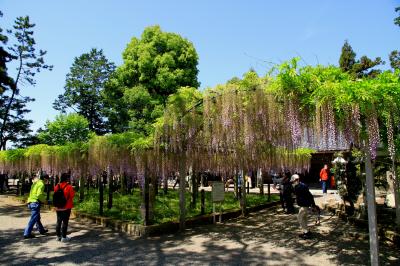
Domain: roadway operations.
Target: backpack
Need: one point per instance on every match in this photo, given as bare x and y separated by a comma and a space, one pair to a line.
59, 199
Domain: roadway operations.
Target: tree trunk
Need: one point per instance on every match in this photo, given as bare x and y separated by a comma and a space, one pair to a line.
14, 87
123, 184
155, 182
165, 181
3, 145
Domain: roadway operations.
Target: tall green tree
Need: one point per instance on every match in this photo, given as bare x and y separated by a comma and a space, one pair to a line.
364, 67
394, 56
394, 59
397, 19
64, 129
83, 88
141, 108
347, 57
22, 52
5, 80
156, 65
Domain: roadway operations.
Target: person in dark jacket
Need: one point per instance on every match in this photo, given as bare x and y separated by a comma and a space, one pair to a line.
287, 190
2, 182
64, 213
305, 200
277, 181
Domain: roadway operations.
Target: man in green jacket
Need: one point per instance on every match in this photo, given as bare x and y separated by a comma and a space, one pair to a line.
36, 198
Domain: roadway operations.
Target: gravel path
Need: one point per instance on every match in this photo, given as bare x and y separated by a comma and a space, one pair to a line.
265, 238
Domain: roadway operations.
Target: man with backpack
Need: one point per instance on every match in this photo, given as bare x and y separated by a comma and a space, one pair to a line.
63, 201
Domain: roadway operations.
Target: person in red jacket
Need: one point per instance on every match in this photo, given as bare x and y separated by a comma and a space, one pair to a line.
64, 212
323, 178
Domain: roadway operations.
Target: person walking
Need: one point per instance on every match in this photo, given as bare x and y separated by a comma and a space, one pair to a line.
305, 200
287, 191
36, 198
63, 213
277, 185
2, 182
323, 178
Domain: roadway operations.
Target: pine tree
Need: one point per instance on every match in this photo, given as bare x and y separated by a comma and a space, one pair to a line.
347, 58
84, 86
397, 20
358, 68
13, 126
5, 81
394, 56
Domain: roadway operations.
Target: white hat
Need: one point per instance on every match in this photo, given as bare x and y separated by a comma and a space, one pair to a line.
294, 177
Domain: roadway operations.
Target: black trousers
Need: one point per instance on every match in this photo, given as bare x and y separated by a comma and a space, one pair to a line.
2, 184
62, 222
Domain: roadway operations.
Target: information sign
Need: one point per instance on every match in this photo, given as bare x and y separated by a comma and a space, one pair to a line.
218, 192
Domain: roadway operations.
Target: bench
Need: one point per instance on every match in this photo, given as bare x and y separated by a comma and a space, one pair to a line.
12, 183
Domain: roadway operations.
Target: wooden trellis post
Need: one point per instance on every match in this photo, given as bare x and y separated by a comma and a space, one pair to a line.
372, 222
260, 181
182, 188
101, 193
81, 188
110, 188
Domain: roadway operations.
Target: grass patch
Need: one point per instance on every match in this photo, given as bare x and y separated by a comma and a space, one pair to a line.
127, 207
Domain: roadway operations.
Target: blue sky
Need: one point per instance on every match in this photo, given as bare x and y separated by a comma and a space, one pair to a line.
230, 36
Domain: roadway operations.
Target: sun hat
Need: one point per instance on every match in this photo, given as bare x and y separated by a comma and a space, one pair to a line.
294, 177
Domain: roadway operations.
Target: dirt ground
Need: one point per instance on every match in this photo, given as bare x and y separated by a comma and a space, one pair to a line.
269, 237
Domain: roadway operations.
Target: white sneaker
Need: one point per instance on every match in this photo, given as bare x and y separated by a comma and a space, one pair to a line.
65, 239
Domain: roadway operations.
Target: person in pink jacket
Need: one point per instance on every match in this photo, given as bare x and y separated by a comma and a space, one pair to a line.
63, 213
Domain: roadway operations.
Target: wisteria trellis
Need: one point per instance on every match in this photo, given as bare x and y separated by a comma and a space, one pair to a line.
266, 123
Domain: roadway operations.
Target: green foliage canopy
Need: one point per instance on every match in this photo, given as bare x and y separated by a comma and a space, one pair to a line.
65, 129
155, 66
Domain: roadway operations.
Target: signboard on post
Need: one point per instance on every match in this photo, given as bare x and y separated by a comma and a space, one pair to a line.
218, 196
217, 192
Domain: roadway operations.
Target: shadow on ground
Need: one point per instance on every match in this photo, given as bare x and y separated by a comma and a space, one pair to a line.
11, 210
267, 237
344, 244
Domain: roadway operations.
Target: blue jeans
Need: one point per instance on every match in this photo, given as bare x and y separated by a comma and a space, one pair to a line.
324, 186
35, 219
